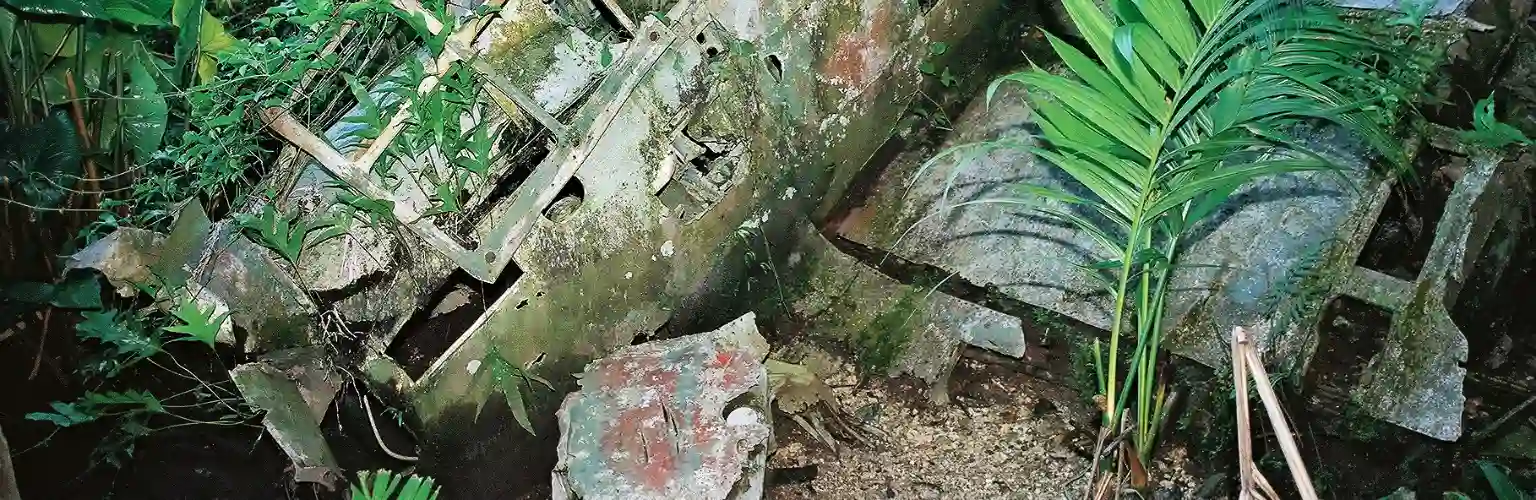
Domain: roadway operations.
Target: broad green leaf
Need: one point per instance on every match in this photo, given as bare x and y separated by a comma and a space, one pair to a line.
212, 41
1116, 194
1488, 131
139, 400
1156, 55
1094, 26
119, 331
1225, 178
144, 109
1413, 12
511, 383
1060, 124
1498, 480
1093, 74
63, 415
138, 12
78, 293
1170, 19
378, 210
187, 15
85, 70
1094, 108
7, 32
81, 292
384, 485
71, 8
1207, 10
50, 39
318, 232
197, 324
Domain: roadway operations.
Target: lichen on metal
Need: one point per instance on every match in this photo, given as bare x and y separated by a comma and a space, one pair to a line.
1237, 259
215, 265
710, 119
892, 327
288, 398
1416, 380
490, 256
679, 418
123, 257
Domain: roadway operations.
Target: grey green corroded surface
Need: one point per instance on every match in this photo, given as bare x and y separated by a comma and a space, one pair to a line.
1246, 252
626, 261
288, 417
124, 257
889, 326
259, 293
1416, 380
619, 263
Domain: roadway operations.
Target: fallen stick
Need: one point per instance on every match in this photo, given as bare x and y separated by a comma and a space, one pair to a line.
1246, 362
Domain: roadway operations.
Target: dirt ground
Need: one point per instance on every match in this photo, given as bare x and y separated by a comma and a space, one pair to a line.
1004, 435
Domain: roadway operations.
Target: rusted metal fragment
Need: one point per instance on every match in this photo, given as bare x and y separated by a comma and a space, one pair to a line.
244, 279
124, 257
679, 418
340, 262
312, 372
289, 417
893, 326
1416, 380
610, 258
215, 265
390, 301
187, 241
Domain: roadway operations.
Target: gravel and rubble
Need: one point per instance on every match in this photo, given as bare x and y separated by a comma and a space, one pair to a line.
1007, 435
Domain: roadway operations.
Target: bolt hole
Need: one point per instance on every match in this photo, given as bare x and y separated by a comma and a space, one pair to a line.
567, 201
775, 67
654, 36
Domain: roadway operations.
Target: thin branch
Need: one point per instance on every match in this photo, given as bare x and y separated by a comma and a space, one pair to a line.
42, 342
47, 209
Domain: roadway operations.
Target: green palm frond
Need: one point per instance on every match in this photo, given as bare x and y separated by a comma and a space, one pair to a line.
1174, 105
385, 485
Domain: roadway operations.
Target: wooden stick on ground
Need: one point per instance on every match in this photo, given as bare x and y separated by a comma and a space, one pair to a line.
1244, 432
1245, 362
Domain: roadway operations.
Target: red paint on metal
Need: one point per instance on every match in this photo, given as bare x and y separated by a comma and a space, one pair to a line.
639, 446
657, 430
859, 57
